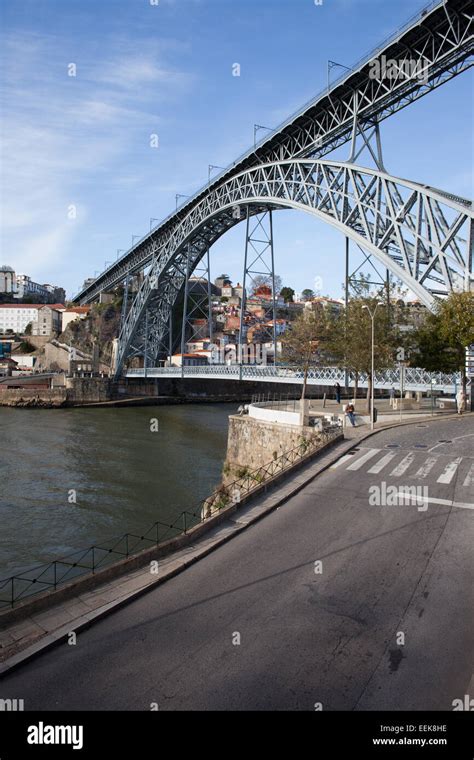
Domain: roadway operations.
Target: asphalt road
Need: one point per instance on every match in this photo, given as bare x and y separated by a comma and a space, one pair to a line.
386, 625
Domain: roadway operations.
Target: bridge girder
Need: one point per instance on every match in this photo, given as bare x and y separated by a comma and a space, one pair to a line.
431, 49
422, 235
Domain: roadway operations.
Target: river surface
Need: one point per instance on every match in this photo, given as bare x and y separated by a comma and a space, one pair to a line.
124, 475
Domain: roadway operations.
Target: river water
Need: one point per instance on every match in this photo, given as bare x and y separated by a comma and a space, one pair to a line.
124, 475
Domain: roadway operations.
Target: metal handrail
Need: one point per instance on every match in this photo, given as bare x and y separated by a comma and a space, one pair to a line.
383, 379
50, 575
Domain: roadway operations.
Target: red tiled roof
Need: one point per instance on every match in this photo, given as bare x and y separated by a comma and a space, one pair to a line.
31, 305
78, 310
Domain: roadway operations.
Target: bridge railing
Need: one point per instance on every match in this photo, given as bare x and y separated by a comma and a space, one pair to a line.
59, 573
415, 378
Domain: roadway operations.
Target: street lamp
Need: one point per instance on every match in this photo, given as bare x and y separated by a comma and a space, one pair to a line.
372, 317
257, 128
178, 196
210, 169
332, 65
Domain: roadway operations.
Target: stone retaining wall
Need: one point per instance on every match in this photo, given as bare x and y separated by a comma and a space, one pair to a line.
252, 443
78, 391
43, 398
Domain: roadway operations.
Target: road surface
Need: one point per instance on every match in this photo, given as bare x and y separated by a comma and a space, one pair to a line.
386, 624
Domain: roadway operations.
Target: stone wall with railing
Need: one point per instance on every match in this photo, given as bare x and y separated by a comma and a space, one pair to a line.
253, 443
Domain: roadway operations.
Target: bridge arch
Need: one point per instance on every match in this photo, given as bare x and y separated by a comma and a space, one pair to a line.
422, 235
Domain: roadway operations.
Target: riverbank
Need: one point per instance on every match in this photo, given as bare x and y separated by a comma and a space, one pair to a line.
106, 393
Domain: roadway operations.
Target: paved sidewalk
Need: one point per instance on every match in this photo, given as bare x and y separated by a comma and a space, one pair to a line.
25, 638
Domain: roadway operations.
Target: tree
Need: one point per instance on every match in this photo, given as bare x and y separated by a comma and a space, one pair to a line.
351, 340
287, 294
362, 286
442, 340
28, 328
26, 347
307, 294
304, 343
351, 330
265, 279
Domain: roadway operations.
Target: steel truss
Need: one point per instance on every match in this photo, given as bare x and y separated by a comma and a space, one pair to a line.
430, 50
259, 260
423, 236
197, 299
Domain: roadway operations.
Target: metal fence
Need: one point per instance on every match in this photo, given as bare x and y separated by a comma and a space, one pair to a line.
414, 378
57, 573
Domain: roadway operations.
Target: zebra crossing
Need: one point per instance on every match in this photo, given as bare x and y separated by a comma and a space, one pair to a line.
413, 464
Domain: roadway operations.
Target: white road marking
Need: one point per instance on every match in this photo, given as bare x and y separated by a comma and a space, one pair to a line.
342, 460
469, 477
432, 500
456, 438
381, 463
403, 466
363, 459
426, 467
449, 471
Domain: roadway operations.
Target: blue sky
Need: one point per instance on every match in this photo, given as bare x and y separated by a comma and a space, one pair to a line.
142, 69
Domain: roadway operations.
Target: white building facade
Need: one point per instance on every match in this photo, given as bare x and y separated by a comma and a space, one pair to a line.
17, 317
44, 319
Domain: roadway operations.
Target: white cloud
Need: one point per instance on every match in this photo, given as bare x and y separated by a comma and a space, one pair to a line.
138, 71
59, 132
42, 252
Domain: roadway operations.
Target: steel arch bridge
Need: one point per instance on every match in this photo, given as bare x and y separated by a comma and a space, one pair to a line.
423, 235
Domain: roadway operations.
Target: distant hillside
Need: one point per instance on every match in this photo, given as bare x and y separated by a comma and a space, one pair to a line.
100, 327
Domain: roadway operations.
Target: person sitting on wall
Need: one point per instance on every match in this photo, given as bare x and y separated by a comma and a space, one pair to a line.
350, 411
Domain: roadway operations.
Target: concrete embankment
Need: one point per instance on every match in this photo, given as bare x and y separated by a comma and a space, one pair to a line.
86, 391
38, 398
74, 392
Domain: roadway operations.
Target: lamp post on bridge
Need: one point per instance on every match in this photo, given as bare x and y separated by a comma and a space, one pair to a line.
178, 196
257, 128
335, 64
210, 168
372, 317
